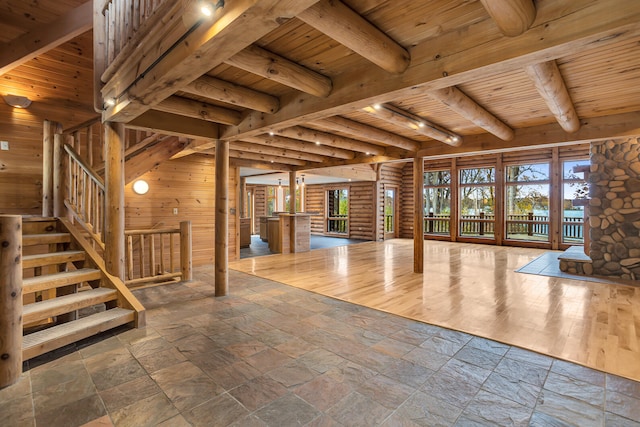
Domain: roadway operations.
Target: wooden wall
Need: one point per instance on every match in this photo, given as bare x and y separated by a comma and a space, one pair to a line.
390, 176
406, 202
260, 204
186, 184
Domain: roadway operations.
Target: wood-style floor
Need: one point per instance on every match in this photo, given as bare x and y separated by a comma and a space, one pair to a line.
474, 288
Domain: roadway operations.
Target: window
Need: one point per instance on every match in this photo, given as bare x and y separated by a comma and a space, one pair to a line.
338, 211
575, 192
271, 200
477, 202
437, 202
527, 202
390, 211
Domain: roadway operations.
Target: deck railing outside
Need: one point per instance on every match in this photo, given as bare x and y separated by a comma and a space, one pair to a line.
158, 255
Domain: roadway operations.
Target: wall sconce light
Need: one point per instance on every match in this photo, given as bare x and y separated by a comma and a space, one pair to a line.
16, 101
279, 183
140, 187
302, 178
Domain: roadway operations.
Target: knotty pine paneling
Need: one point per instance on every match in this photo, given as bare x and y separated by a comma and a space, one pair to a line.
188, 184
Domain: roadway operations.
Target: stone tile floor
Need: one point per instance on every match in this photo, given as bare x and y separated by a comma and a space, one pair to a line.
275, 355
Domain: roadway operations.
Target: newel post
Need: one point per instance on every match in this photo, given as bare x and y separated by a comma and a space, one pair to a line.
10, 299
186, 266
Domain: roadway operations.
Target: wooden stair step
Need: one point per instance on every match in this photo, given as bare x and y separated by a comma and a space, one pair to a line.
45, 239
56, 280
58, 336
39, 260
66, 304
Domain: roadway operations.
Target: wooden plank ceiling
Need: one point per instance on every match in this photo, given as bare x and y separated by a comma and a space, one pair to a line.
300, 89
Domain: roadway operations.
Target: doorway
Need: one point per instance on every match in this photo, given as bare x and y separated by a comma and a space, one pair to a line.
390, 213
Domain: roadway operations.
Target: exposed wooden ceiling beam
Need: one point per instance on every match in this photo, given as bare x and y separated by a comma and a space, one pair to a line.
513, 17
407, 120
46, 37
230, 93
356, 173
341, 124
338, 21
274, 67
462, 104
275, 151
199, 110
550, 85
195, 146
203, 49
324, 138
148, 159
261, 165
266, 158
598, 128
456, 60
295, 144
173, 124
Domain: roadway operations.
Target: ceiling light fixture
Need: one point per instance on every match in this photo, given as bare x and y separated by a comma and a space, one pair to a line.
208, 8
17, 101
404, 118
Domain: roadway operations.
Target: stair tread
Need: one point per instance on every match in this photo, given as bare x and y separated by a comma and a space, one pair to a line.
55, 306
45, 238
56, 280
75, 330
39, 260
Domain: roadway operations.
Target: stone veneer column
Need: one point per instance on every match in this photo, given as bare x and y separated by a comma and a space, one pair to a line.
614, 189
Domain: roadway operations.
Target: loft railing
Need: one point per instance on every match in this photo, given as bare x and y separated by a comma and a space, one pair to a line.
158, 255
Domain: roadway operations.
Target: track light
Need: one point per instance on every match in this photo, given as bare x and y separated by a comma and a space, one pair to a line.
208, 8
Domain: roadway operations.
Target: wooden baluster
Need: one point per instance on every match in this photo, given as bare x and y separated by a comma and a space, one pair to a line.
142, 256
172, 265
89, 145
129, 257
162, 270
152, 255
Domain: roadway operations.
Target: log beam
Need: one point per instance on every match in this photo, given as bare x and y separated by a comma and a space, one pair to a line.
338, 21
261, 165
295, 144
513, 17
236, 154
341, 124
199, 110
405, 119
47, 168
221, 274
550, 85
324, 138
275, 151
145, 160
230, 93
462, 104
173, 124
274, 67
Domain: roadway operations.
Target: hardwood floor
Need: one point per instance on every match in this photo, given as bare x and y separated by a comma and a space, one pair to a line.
474, 288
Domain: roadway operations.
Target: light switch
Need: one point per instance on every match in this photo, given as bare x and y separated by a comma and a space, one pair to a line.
175, 211
4, 145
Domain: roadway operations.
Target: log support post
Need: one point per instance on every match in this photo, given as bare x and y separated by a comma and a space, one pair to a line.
58, 175
418, 215
47, 169
292, 211
186, 264
10, 299
222, 219
114, 183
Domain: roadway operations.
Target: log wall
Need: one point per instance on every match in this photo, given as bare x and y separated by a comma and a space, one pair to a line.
390, 176
406, 202
186, 184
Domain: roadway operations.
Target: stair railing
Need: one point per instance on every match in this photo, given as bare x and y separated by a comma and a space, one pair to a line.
85, 196
158, 255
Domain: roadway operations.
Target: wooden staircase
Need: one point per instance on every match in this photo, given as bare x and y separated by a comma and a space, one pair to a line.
67, 294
